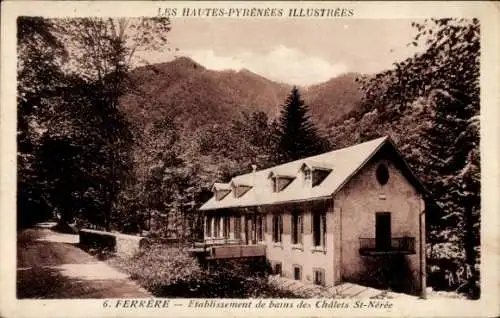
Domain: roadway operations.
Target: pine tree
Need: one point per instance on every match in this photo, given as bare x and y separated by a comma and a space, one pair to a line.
297, 136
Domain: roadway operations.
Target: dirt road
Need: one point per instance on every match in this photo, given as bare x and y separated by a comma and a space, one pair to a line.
51, 266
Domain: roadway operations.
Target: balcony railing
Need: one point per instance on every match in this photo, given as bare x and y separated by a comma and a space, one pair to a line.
208, 242
396, 245
237, 251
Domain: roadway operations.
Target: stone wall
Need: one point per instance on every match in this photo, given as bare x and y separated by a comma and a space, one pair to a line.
121, 244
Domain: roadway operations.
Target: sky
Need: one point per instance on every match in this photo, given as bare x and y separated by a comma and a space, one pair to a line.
299, 52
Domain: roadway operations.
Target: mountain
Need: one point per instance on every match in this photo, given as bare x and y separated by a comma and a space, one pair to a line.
334, 99
197, 97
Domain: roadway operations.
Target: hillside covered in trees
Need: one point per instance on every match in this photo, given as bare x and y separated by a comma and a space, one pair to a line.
197, 97
103, 144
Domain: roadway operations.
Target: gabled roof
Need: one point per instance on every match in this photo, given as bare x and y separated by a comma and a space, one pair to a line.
345, 163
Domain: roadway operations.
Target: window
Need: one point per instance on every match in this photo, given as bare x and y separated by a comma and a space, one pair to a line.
264, 224
217, 226
277, 269
281, 182
240, 190
314, 175
260, 228
237, 227
221, 194
220, 190
274, 181
383, 230
319, 175
277, 227
297, 228
307, 174
382, 174
319, 228
225, 227
297, 272
249, 230
319, 276
208, 226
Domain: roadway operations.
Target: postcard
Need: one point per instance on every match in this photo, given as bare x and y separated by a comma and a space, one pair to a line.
249, 159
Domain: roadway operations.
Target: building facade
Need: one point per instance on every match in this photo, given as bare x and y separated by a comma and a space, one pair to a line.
352, 215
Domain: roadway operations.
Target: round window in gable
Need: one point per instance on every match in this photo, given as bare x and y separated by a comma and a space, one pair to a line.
382, 174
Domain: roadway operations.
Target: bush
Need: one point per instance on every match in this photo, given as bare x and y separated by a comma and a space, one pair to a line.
447, 270
172, 272
158, 266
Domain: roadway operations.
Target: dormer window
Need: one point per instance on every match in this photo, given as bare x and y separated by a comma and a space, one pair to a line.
315, 173
280, 182
220, 190
239, 189
318, 175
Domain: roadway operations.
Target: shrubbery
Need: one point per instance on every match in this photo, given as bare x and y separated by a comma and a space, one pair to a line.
159, 266
172, 272
447, 270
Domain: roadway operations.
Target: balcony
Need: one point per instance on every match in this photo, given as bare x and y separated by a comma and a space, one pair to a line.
217, 241
396, 245
219, 248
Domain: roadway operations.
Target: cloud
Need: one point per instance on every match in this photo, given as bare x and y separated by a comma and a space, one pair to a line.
281, 64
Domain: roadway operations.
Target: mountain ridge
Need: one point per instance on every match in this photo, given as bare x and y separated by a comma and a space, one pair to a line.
197, 96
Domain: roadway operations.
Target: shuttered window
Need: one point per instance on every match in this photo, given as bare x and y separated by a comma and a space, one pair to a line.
297, 228
297, 272
217, 226
264, 224
277, 227
319, 276
319, 228
277, 268
260, 228
237, 227
225, 227
208, 226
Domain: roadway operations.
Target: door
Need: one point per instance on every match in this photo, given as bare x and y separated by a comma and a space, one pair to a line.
383, 231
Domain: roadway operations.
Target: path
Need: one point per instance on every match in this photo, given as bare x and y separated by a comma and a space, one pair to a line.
51, 266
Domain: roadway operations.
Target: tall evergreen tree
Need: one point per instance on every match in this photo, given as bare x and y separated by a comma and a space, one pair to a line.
297, 135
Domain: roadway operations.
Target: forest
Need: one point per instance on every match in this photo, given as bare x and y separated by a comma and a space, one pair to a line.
98, 146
